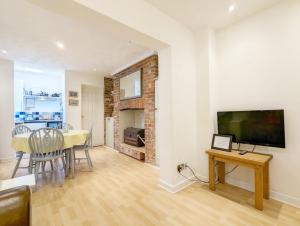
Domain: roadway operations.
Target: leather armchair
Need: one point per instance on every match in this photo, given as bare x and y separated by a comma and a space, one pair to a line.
15, 207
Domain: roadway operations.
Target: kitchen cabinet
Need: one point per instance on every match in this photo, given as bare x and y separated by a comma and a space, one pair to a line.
36, 125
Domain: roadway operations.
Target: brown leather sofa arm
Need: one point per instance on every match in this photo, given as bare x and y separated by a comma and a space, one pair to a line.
15, 207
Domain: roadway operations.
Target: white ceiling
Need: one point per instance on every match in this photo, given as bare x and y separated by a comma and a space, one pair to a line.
197, 14
29, 30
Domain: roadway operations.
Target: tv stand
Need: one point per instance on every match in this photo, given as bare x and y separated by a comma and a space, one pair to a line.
258, 162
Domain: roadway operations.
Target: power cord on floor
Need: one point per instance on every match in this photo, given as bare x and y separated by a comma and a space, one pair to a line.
216, 179
195, 176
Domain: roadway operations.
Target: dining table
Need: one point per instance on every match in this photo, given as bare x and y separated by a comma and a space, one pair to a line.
72, 138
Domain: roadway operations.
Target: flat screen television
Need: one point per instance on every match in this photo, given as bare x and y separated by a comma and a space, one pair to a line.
265, 128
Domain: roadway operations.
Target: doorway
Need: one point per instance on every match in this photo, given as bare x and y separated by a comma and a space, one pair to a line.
92, 112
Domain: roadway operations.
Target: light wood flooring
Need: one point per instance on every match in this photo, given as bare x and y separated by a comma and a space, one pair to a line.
124, 191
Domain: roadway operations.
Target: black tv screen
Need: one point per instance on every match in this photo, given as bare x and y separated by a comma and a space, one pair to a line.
265, 128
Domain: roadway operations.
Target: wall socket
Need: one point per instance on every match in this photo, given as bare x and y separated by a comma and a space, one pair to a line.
181, 167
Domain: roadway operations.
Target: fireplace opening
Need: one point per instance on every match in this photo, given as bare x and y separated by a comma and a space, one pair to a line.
132, 133
134, 136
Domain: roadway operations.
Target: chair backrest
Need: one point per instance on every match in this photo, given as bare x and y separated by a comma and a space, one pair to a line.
20, 129
67, 126
46, 141
89, 139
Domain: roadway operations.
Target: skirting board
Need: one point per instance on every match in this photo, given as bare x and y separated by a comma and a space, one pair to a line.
273, 194
5, 160
111, 149
284, 198
152, 166
177, 187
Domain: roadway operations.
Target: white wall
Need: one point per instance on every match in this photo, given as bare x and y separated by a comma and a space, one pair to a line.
176, 139
73, 82
37, 82
257, 67
6, 108
205, 68
50, 83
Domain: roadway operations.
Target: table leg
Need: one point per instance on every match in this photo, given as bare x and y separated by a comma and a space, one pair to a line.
211, 173
67, 169
221, 172
72, 162
20, 153
266, 181
259, 187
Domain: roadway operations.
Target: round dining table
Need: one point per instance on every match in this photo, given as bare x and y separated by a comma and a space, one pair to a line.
71, 138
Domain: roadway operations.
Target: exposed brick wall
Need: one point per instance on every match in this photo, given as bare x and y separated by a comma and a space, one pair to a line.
108, 98
108, 101
149, 68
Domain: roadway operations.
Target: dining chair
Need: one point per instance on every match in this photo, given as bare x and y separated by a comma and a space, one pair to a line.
46, 144
88, 144
20, 129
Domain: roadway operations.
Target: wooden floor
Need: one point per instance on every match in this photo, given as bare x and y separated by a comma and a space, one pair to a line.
124, 191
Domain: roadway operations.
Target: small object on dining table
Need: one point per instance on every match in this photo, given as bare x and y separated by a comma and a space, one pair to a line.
65, 130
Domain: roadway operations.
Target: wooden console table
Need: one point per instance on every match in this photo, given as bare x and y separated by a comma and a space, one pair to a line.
259, 162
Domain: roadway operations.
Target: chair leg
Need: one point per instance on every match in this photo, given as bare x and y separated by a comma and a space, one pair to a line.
67, 156
30, 164
43, 166
57, 172
88, 151
36, 170
64, 164
17, 165
51, 163
87, 154
72, 162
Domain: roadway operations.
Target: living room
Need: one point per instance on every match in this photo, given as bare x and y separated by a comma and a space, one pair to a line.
212, 56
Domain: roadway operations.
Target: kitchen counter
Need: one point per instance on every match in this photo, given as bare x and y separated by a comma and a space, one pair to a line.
37, 121
37, 124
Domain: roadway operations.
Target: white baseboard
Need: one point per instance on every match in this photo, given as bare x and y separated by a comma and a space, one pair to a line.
112, 149
177, 187
293, 201
4, 160
152, 166
281, 197
278, 196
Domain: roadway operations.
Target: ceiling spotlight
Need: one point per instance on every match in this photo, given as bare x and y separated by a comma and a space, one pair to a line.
33, 70
60, 45
231, 8
4, 51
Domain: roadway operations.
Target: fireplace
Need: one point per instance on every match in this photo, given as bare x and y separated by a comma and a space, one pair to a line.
137, 112
131, 129
134, 136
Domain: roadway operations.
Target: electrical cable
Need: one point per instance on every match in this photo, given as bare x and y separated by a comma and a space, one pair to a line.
216, 180
195, 176
235, 167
